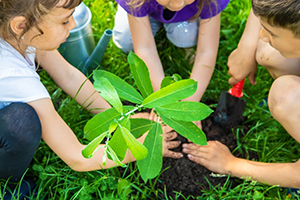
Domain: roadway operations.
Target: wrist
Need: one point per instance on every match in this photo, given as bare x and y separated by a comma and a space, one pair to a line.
231, 165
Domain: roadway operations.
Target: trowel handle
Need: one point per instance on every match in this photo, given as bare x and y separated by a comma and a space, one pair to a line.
237, 88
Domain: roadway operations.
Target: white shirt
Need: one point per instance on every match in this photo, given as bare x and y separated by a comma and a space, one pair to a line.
19, 81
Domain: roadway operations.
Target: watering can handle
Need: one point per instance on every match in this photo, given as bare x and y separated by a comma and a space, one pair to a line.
237, 88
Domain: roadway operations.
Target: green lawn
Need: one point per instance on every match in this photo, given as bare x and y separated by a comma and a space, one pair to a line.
265, 137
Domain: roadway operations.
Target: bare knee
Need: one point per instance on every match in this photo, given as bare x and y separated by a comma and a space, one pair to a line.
284, 97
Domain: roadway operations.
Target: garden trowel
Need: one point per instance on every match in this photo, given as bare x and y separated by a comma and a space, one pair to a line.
230, 108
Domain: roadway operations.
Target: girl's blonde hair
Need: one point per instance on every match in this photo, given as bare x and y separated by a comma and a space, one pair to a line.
32, 10
137, 3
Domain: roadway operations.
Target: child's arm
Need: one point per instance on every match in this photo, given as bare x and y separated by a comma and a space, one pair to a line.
207, 48
145, 47
241, 61
57, 134
217, 158
70, 79
60, 138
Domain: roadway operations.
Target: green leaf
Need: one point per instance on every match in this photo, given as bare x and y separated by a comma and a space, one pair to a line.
124, 90
139, 126
117, 142
108, 92
166, 81
138, 150
185, 110
101, 122
124, 188
152, 164
169, 80
114, 157
176, 77
140, 74
171, 93
93, 146
113, 125
187, 129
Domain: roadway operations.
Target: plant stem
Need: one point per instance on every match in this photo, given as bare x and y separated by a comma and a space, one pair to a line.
131, 111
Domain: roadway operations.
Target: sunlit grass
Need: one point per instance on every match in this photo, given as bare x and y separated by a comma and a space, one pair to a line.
265, 136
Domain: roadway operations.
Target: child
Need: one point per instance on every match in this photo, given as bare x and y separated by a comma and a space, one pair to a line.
31, 31
187, 23
278, 49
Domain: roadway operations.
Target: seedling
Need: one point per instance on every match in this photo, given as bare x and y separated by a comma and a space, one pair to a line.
118, 131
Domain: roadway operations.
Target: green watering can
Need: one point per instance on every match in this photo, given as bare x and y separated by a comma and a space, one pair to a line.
80, 49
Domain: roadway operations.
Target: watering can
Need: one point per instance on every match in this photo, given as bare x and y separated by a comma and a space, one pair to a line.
79, 49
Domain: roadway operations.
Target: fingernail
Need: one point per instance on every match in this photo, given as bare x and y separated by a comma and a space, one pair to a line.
184, 145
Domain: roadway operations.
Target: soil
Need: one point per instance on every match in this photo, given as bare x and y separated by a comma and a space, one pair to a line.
188, 178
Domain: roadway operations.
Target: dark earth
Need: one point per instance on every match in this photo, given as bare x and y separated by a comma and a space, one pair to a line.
189, 178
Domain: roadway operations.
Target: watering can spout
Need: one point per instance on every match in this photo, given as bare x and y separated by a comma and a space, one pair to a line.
95, 58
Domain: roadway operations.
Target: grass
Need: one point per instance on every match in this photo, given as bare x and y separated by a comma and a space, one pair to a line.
265, 136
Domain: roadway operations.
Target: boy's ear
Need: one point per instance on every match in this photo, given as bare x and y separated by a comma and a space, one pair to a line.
17, 24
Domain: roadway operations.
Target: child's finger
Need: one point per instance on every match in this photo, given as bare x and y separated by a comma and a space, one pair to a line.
170, 135
172, 154
172, 144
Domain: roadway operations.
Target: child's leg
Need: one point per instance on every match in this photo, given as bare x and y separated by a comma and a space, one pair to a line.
284, 103
183, 34
276, 64
121, 31
20, 135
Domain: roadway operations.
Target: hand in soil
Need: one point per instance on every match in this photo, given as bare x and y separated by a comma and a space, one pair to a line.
215, 156
198, 123
153, 116
168, 135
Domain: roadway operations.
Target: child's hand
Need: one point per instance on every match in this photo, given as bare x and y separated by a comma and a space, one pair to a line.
168, 135
198, 123
215, 156
144, 115
153, 116
242, 63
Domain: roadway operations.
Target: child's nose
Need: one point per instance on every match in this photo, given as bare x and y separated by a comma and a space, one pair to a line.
264, 35
72, 23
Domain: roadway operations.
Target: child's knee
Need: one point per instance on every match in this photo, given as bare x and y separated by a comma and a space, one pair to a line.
284, 97
122, 40
19, 123
182, 34
121, 31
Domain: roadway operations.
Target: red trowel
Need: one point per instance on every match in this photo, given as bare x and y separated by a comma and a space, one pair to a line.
230, 108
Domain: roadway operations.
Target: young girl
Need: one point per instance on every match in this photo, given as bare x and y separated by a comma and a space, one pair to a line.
187, 23
31, 31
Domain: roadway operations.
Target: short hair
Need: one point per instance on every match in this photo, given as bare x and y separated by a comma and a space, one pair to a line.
279, 13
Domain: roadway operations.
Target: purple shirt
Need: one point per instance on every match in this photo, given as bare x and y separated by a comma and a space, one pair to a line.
155, 10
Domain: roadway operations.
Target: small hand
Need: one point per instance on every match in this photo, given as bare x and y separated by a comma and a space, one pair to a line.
215, 156
153, 116
168, 135
242, 63
198, 123
144, 115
